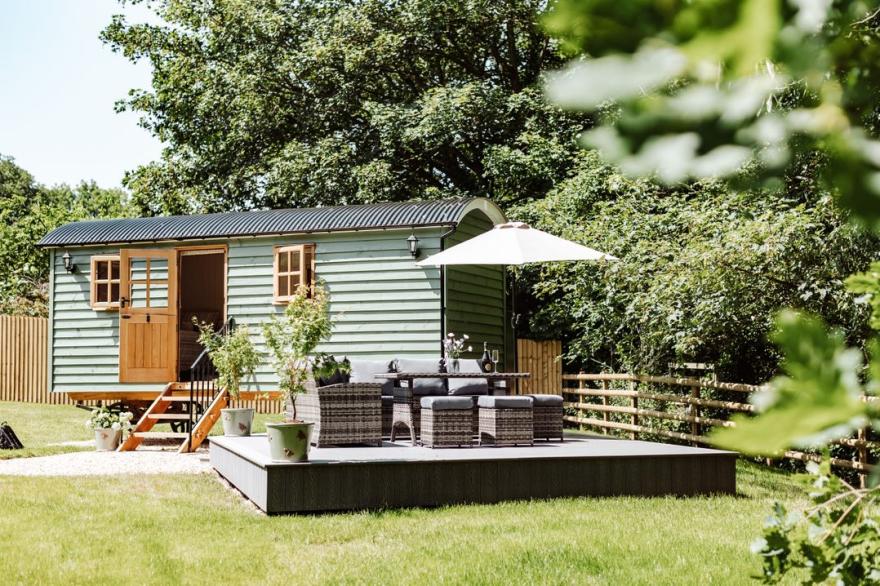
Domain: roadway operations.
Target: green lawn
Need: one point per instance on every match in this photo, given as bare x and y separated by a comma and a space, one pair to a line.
40, 426
166, 529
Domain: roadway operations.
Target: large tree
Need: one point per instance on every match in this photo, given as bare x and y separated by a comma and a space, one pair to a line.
275, 103
28, 211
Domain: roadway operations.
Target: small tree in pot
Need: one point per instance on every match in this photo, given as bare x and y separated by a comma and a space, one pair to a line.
292, 338
235, 358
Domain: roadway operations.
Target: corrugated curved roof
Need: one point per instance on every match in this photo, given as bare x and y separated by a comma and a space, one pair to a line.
268, 222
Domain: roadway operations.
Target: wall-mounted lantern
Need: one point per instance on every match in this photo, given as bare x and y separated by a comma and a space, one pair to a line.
69, 265
413, 244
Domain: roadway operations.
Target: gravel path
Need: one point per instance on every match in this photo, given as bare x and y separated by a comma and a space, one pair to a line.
108, 463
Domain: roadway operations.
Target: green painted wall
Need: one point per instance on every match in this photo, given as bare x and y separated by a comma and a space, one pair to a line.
475, 294
384, 305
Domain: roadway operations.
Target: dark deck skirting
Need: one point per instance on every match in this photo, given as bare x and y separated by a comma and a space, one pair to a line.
339, 479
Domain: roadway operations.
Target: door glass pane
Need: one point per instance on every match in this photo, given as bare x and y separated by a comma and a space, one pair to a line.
114, 269
159, 295
138, 269
158, 269
101, 293
101, 270
138, 295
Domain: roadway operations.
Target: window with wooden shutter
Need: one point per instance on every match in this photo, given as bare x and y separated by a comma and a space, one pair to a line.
105, 282
294, 267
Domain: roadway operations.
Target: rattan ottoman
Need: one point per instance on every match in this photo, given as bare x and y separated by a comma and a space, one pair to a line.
446, 422
547, 416
505, 420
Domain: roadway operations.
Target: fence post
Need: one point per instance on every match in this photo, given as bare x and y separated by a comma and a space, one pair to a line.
605, 414
863, 457
581, 401
634, 402
695, 412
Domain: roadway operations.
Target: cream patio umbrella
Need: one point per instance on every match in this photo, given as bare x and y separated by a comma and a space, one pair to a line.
513, 243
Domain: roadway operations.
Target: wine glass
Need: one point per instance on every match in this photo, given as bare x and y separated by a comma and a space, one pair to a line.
495, 358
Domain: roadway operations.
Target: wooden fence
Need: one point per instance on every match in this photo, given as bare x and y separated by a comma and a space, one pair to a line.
683, 409
23, 367
542, 360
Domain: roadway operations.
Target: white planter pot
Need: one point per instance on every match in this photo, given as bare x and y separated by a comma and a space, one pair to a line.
237, 422
107, 440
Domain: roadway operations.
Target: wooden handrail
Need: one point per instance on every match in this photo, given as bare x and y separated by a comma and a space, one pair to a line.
666, 380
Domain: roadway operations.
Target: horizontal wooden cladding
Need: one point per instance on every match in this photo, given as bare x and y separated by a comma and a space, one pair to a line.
23, 360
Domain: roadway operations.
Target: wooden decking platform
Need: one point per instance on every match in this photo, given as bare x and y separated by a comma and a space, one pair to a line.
396, 475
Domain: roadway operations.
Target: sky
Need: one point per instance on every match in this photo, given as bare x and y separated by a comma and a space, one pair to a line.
58, 85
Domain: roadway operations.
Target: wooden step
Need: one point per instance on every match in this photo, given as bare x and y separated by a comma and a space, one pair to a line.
168, 417
160, 435
169, 399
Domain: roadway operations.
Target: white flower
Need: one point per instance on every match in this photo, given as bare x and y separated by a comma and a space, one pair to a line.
116, 426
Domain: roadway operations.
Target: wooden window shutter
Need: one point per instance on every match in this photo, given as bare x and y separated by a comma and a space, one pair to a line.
104, 282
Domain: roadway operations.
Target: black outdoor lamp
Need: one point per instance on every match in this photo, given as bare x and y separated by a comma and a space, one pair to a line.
413, 243
69, 266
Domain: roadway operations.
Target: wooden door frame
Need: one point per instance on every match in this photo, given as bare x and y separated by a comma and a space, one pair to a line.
220, 248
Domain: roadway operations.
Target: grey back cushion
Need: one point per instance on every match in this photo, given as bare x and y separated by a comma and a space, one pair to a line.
423, 386
364, 371
469, 386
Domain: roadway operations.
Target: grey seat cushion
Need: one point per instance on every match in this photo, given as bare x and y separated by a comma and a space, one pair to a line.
506, 402
364, 371
447, 403
423, 386
547, 400
469, 386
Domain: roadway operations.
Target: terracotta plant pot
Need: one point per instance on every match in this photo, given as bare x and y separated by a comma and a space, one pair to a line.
107, 440
237, 422
289, 442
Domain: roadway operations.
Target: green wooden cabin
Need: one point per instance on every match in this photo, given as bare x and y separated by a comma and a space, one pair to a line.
123, 292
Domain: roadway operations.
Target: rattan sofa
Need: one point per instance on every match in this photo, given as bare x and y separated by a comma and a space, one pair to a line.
343, 414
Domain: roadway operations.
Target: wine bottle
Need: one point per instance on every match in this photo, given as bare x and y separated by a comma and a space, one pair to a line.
486, 361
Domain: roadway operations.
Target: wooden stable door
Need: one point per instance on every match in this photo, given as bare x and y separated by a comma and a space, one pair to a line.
148, 316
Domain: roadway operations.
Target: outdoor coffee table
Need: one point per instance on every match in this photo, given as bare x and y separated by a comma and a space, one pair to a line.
407, 407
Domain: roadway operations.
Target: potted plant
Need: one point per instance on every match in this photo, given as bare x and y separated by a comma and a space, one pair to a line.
454, 348
234, 357
108, 427
292, 338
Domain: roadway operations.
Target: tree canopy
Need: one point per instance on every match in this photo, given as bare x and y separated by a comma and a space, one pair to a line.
272, 103
28, 211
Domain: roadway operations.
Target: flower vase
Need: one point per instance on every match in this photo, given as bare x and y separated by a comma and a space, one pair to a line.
455, 367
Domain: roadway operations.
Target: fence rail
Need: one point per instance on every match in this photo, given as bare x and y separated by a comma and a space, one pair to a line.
616, 403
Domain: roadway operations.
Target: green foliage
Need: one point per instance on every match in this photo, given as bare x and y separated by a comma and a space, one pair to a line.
706, 86
868, 284
27, 212
233, 354
816, 401
836, 540
288, 104
702, 271
293, 336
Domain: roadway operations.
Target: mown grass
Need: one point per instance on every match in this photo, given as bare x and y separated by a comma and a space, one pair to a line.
167, 529
40, 426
